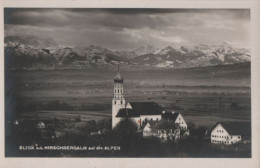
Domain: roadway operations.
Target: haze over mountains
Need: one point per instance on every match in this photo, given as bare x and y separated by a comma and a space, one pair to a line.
30, 52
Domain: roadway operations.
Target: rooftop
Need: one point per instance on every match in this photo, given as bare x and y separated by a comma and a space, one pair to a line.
125, 112
118, 78
146, 108
170, 116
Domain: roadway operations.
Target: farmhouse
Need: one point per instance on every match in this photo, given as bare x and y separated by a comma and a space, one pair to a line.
163, 129
176, 118
40, 125
231, 133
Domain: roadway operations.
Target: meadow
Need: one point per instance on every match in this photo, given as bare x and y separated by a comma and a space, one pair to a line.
203, 95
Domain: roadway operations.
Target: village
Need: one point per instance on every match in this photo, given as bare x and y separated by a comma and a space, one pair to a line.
133, 122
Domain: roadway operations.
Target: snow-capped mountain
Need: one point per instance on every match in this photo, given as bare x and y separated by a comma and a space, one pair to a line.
33, 41
182, 56
144, 50
34, 52
23, 55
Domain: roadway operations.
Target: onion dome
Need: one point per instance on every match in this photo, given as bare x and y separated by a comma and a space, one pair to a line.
118, 78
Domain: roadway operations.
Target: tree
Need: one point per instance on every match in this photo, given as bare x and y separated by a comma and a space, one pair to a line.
191, 125
126, 127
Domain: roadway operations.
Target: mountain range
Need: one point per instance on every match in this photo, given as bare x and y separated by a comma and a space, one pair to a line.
30, 52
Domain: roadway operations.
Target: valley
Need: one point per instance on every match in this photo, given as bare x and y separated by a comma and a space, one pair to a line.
201, 97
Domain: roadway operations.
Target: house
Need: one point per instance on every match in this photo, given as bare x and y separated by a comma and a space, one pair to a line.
16, 122
231, 133
176, 118
40, 125
163, 129
149, 128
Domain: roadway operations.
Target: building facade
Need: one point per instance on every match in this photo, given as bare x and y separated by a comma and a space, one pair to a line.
230, 133
176, 118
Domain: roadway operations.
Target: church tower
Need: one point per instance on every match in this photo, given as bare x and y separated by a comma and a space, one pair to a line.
118, 100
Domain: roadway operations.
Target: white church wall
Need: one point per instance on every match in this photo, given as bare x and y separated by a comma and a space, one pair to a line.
151, 117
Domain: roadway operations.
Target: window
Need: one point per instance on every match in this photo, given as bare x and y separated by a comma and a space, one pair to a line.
118, 91
121, 102
115, 102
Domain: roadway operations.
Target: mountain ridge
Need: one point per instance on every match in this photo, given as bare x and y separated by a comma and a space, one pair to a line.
35, 52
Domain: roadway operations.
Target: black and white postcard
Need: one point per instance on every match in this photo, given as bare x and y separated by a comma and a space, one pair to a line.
125, 82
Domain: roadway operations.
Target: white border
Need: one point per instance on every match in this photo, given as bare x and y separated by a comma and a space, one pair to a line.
142, 162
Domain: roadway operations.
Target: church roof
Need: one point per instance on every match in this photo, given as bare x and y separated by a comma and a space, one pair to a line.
161, 124
125, 112
170, 116
146, 108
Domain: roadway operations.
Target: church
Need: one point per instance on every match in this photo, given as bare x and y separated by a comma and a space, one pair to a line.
139, 112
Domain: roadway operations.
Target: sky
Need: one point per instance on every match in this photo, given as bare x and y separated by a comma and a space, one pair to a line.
127, 29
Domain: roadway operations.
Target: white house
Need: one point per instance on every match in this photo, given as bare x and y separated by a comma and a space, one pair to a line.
40, 125
230, 132
16, 122
163, 129
176, 118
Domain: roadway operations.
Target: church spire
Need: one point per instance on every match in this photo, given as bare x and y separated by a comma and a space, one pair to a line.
118, 101
118, 68
118, 78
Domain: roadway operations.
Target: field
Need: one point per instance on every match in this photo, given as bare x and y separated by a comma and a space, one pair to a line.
203, 95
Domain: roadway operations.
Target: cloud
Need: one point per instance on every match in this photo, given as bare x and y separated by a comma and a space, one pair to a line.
129, 28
